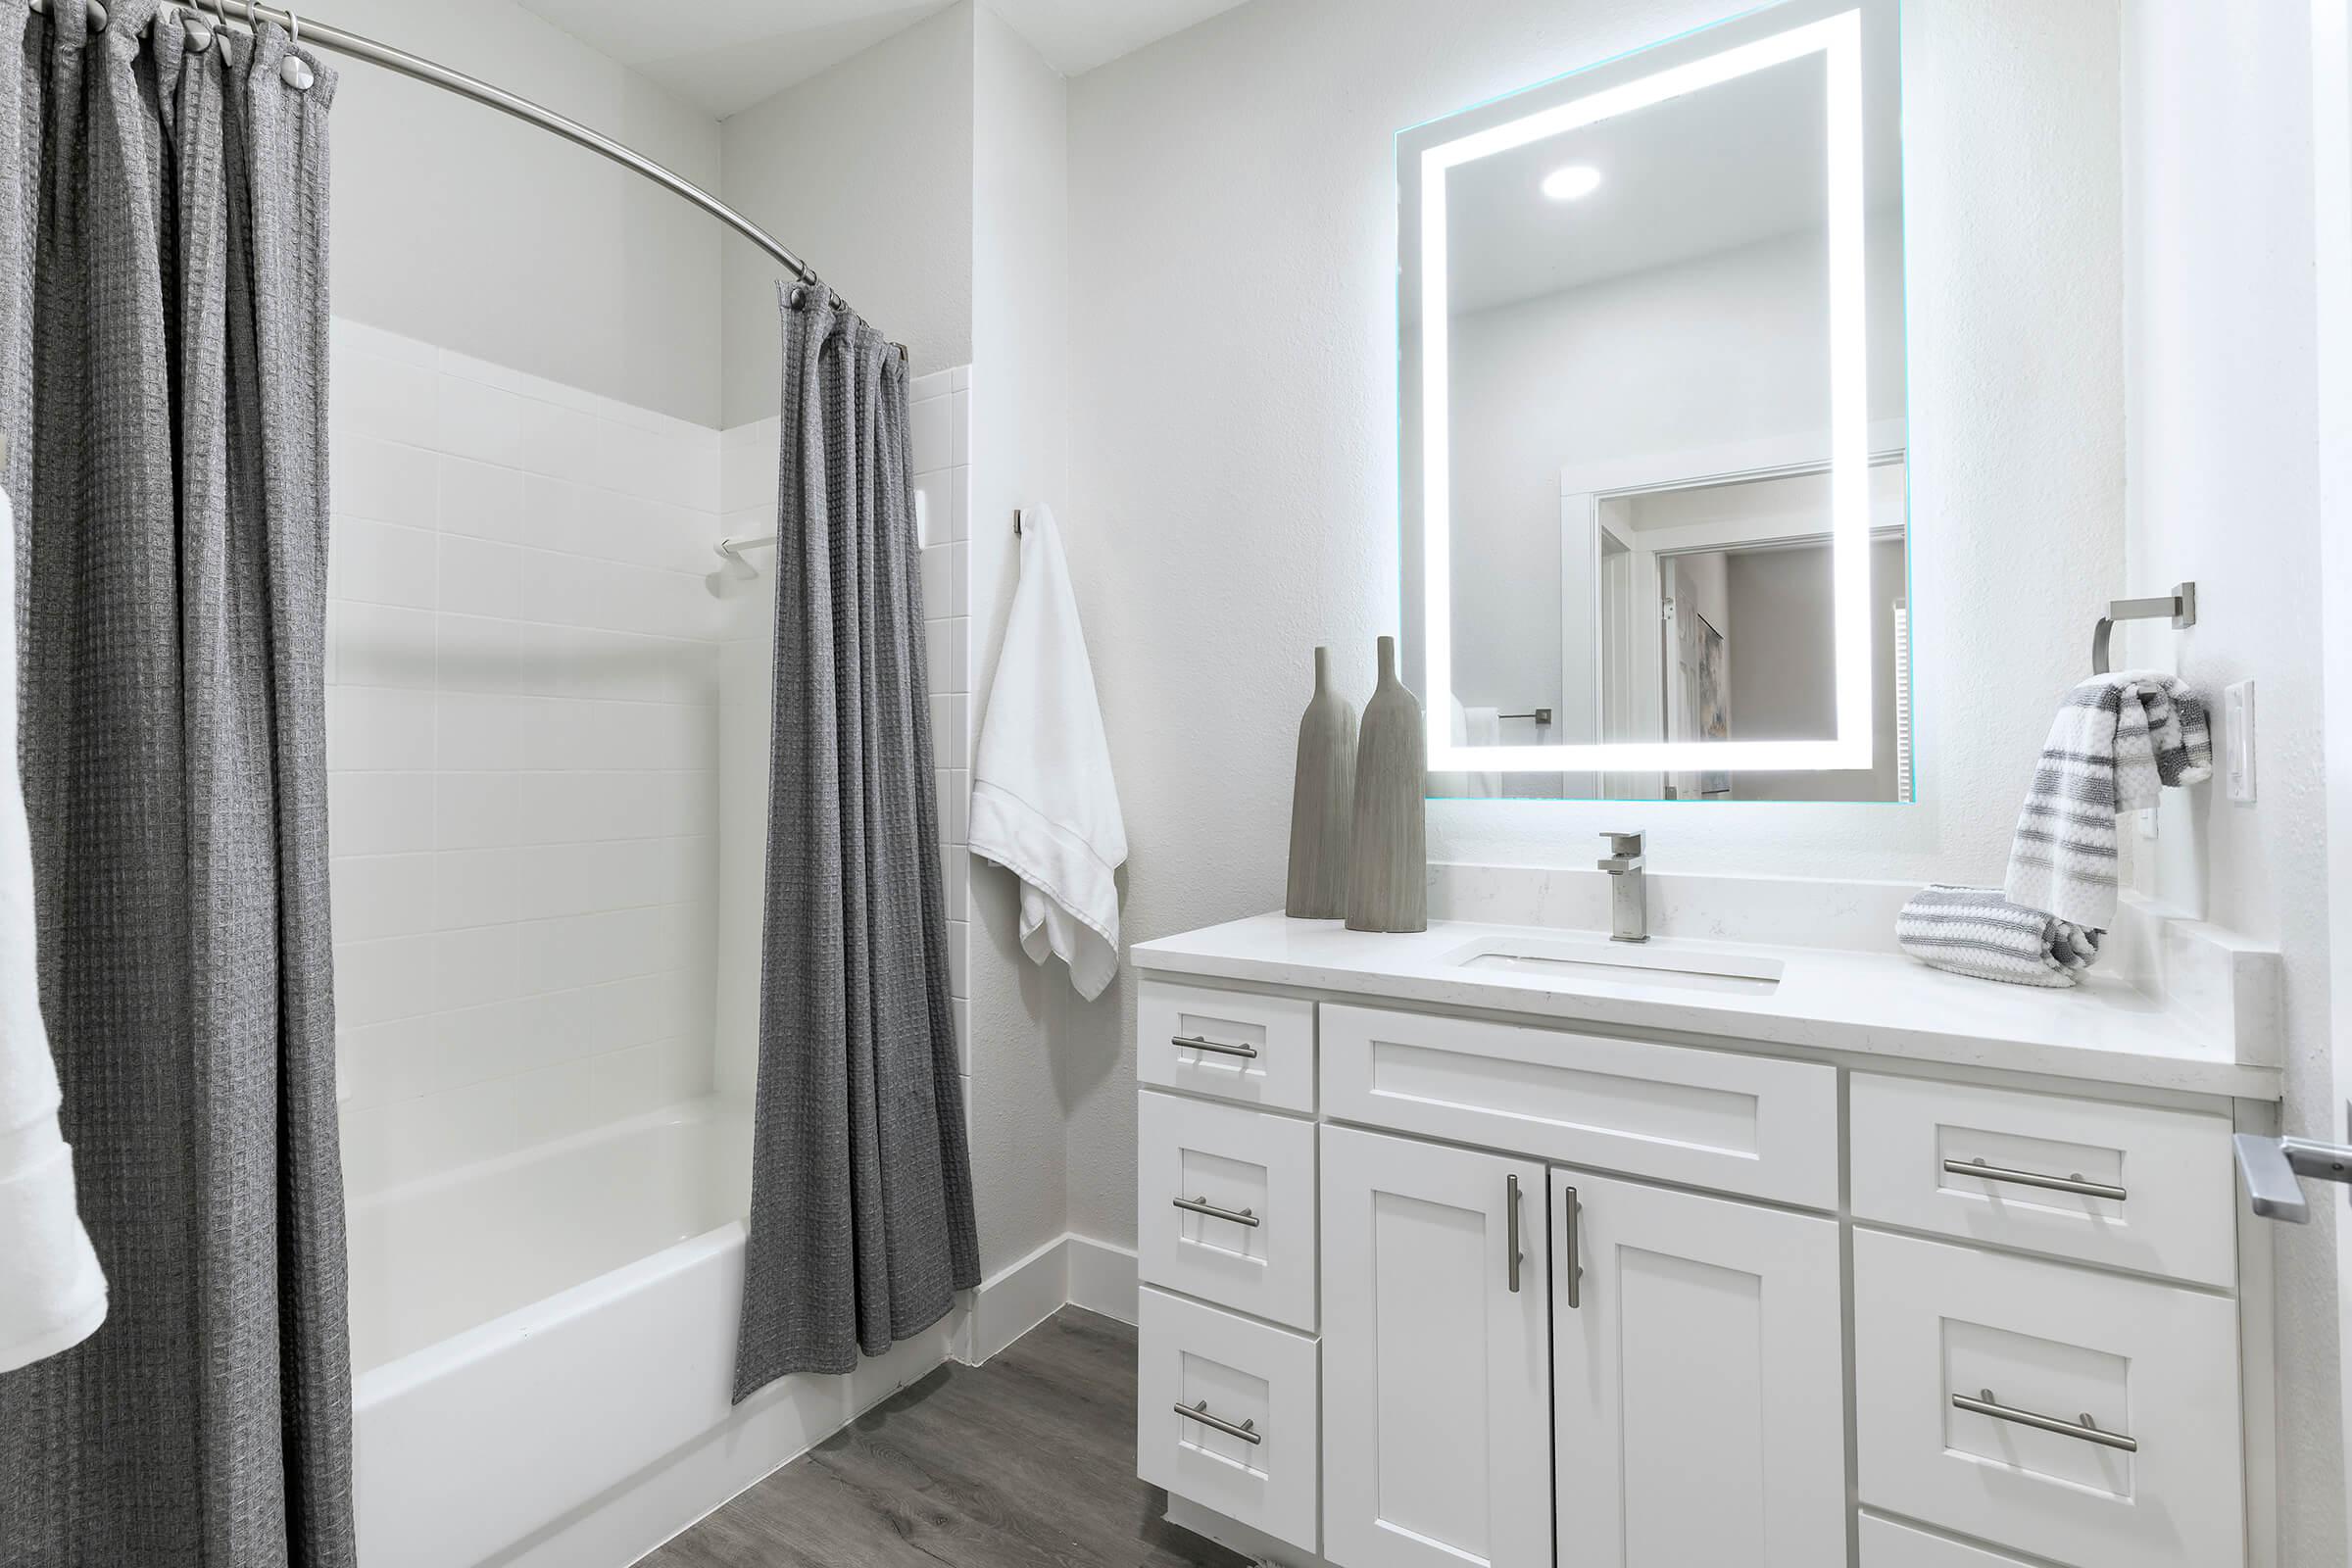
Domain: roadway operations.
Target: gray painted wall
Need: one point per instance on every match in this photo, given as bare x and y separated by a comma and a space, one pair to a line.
866, 170
1784, 667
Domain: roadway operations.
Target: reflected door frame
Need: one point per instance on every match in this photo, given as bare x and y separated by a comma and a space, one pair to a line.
1586, 491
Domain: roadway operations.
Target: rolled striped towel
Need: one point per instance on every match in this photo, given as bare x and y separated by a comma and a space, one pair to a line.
1974, 931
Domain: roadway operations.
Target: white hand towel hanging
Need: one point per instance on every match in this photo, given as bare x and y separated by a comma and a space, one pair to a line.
52, 1292
1043, 803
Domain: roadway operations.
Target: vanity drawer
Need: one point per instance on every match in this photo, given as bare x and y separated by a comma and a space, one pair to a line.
1235, 1044
1256, 1251
2150, 1364
1250, 1376
1888, 1544
1708, 1118
2173, 1169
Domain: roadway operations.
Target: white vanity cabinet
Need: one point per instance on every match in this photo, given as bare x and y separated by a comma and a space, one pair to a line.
1701, 1339
1436, 1344
1553, 1293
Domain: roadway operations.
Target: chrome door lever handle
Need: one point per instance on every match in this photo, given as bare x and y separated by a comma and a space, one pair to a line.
2270, 1167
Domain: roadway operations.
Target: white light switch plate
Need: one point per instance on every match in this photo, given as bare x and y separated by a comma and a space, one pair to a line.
2237, 741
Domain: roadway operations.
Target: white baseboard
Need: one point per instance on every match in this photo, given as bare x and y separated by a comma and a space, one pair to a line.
1017, 1299
1069, 1270
1103, 1277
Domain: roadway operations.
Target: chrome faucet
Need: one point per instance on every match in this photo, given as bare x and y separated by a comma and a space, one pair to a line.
1629, 892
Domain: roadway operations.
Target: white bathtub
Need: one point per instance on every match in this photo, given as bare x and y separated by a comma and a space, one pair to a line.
530, 1332
545, 1349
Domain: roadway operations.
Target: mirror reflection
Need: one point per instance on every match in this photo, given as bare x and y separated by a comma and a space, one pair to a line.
1672, 347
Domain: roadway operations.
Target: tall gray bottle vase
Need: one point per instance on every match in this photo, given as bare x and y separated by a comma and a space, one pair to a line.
1387, 860
1322, 802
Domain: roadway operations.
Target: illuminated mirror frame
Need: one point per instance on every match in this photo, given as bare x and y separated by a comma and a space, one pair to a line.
1838, 38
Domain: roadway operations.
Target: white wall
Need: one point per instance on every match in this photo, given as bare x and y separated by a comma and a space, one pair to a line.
1234, 446
522, 751
458, 225
866, 172
2224, 488
1031, 1037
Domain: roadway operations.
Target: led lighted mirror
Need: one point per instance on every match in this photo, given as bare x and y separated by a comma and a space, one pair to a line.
1654, 442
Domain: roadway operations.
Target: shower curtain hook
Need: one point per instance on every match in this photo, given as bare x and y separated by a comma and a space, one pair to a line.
294, 70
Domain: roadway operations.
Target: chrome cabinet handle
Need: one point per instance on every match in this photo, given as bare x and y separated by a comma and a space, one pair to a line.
1576, 1268
1203, 1043
1510, 1225
2082, 1428
2033, 1178
1248, 1431
1202, 1206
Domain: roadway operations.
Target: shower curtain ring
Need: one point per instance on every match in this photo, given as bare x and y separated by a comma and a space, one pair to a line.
294, 70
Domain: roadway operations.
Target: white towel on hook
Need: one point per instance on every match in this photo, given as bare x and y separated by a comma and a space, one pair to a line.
52, 1292
1044, 805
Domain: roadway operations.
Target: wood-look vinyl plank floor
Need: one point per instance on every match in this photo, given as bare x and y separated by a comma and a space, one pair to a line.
1027, 1462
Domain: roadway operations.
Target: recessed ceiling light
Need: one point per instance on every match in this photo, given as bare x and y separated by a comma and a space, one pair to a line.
1567, 184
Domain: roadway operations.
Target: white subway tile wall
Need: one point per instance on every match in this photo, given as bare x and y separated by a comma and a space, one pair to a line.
941, 441
523, 749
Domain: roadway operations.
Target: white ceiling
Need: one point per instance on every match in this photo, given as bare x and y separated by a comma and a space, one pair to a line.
726, 55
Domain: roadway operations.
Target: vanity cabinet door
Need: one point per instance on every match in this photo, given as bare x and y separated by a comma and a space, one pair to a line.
1699, 1377
1435, 1349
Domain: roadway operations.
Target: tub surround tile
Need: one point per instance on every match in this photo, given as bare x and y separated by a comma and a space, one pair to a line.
523, 753
526, 771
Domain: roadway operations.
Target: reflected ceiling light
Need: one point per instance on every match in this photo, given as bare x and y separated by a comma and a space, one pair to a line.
1567, 184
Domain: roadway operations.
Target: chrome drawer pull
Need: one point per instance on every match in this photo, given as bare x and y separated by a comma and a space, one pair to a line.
1202, 1043
1248, 1431
2083, 1426
2033, 1178
1576, 1270
1202, 1206
1511, 1227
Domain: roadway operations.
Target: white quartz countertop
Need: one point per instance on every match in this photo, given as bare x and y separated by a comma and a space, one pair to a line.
1872, 1003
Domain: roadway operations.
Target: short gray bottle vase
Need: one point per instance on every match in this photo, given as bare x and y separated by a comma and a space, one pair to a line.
1388, 861
1322, 802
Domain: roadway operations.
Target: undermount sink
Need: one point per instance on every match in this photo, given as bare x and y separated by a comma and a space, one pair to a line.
1625, 963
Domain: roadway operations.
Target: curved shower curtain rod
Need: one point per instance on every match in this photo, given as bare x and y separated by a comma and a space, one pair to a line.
433, 73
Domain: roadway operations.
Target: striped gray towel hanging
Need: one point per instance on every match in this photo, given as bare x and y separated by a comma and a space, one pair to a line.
2117, 741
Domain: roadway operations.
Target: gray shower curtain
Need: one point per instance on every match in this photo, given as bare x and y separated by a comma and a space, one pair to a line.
862, 1226
163, 362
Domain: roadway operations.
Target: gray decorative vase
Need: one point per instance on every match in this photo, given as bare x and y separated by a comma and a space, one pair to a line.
1322, 802
1387, 860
